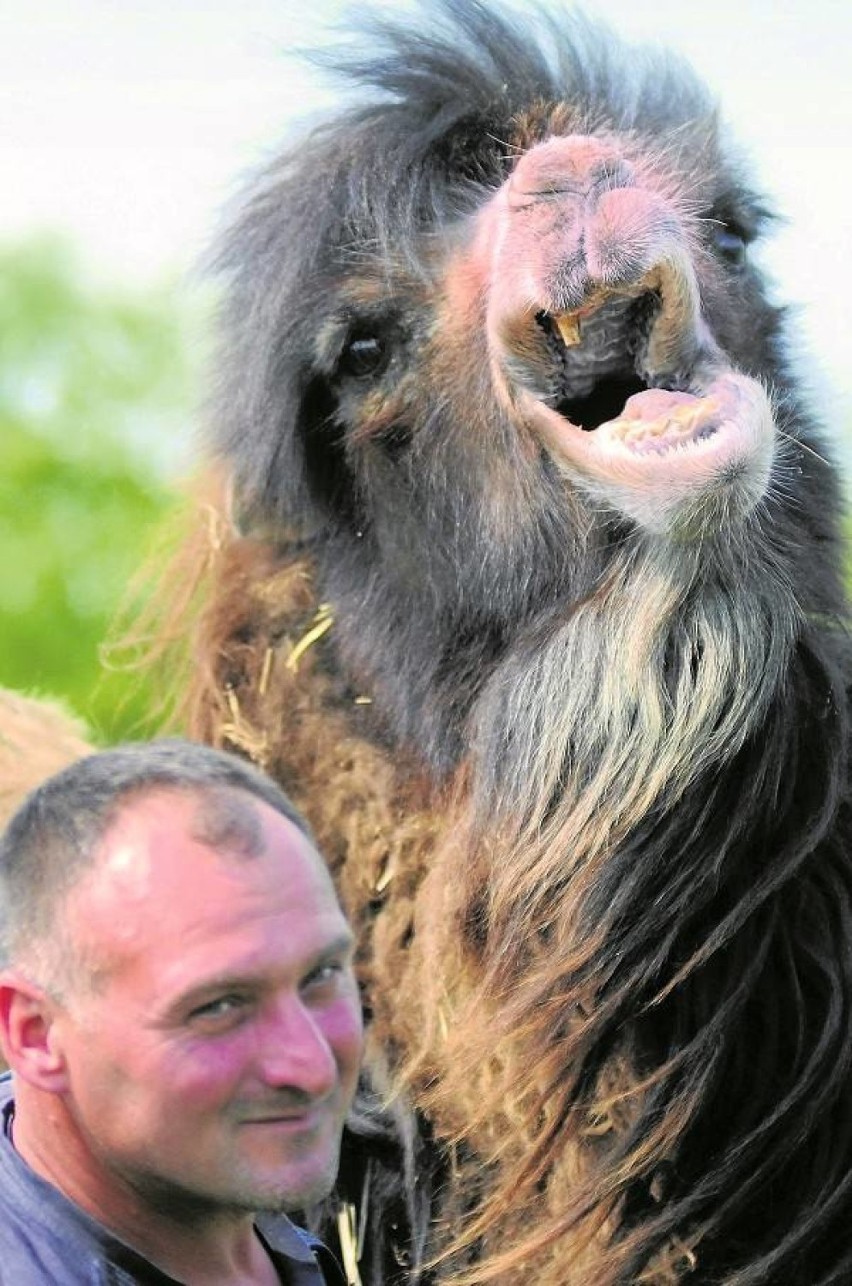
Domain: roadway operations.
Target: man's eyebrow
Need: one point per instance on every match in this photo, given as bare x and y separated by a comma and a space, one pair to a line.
343, 944
178, 1006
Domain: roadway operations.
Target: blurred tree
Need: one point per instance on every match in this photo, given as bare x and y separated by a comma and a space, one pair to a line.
95, 389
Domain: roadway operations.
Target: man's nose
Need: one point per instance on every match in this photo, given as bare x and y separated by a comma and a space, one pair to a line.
295, 1052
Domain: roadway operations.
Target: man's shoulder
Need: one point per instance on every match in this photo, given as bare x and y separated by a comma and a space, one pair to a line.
43, 1237
309, 1261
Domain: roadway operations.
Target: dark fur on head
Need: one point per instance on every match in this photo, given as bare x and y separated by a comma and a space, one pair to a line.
628, 978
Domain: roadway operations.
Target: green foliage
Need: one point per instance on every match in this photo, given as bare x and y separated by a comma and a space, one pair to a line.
94, 391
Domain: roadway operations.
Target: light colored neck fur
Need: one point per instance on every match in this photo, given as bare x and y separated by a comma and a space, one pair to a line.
659, 675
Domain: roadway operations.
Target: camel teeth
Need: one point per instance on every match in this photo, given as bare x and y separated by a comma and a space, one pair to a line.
568, 325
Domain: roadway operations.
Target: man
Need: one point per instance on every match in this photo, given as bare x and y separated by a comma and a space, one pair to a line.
180, 1014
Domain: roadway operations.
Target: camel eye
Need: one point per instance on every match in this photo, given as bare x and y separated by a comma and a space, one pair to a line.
731, 245
364, 355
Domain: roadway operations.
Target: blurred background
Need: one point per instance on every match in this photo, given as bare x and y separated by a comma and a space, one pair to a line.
125, 130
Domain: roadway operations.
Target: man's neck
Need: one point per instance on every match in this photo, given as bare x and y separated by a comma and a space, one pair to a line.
232, 1256
216, 1250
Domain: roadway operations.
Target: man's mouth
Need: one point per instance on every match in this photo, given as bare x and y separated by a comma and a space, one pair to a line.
295, 1119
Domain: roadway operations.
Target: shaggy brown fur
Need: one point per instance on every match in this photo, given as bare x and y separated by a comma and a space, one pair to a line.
37, 738
537, 615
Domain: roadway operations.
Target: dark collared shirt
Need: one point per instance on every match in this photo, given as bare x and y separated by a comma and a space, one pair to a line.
46, 1240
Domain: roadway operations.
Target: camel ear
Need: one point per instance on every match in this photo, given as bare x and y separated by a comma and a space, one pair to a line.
248, 518
283, 456
238, 511
27, 1032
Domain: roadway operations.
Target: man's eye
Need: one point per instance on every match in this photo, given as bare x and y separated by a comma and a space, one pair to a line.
325, 976
221, 1010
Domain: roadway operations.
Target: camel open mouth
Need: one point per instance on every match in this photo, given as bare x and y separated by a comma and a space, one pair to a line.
596, 356
602, 372
636, 402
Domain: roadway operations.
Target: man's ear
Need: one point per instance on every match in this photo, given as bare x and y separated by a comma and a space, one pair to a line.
27, 1014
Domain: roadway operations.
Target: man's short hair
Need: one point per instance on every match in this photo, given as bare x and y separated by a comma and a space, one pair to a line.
55, 835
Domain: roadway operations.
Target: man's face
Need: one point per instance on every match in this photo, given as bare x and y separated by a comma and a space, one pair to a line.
213, 1057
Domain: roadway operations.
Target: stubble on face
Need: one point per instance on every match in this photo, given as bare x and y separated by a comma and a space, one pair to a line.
283, 1166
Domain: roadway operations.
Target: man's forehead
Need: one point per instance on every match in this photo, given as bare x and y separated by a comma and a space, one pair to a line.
226, 820
229, 820
160, 847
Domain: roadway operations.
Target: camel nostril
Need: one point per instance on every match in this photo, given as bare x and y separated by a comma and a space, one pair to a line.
571, 166
608, 175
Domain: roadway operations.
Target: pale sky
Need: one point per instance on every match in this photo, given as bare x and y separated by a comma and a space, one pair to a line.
126, 126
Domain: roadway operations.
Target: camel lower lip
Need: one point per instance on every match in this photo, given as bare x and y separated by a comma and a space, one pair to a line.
659, 420
667, 448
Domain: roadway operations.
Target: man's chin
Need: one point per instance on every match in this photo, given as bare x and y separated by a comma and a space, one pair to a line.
298, 1189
